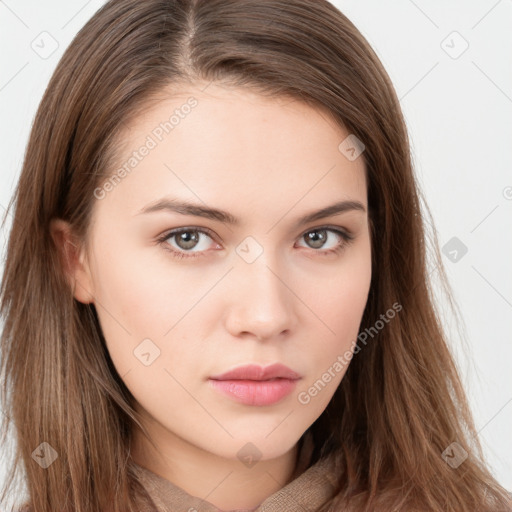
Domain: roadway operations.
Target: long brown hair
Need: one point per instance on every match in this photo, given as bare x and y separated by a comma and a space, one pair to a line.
400, 404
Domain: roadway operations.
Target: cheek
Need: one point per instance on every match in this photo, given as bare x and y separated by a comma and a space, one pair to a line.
140, 298
330, 353
345, 294
342, 316
348, 302
340, 307
129, 299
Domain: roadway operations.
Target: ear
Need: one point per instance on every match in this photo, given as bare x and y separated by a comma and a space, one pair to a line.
73, 261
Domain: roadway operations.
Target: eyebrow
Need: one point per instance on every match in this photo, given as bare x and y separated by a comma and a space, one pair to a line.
196, 210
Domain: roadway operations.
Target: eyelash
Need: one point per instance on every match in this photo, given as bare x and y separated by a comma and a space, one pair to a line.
346, 237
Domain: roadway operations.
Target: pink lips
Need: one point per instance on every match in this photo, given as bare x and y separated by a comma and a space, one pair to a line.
254, 385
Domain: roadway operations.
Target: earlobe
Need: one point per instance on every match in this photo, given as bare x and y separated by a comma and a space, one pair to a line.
72, 261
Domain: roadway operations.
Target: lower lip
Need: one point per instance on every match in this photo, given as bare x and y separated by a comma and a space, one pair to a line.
253, 392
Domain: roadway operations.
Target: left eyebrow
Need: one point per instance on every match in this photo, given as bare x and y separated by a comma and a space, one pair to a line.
328, 211
197, 210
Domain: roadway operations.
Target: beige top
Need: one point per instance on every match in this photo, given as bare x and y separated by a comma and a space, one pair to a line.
310, 488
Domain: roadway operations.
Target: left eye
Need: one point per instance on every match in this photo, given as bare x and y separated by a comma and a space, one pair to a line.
318, 237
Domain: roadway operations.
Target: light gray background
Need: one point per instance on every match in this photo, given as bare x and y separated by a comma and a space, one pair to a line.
458, 106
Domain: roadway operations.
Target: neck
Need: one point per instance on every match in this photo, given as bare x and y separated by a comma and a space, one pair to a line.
226, 483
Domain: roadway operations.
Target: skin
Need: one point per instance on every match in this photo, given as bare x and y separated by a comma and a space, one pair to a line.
267, 161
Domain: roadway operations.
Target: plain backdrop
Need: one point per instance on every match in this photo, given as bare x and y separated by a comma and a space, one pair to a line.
450, 62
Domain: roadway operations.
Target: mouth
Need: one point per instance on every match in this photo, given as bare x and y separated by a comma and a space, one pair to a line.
254, 385
258, 373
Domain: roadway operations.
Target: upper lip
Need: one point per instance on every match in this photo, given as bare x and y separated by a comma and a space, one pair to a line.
255, 372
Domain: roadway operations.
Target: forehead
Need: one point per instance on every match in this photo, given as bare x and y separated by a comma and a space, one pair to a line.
232, 146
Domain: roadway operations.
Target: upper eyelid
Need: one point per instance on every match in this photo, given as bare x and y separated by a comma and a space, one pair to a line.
210, 233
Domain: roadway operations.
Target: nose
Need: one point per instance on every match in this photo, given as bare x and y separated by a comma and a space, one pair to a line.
262, 303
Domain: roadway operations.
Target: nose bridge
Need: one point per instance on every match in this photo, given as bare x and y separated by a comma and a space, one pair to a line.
261, 303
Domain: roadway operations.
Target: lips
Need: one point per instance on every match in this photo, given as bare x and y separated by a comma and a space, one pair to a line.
254, 385
255, 372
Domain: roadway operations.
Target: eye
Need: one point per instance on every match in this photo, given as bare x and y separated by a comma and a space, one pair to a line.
186, 239
316, 238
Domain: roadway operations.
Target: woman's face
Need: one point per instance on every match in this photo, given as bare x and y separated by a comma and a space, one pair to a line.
267, 288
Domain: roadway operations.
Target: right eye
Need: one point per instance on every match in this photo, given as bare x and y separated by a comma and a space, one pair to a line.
186, 239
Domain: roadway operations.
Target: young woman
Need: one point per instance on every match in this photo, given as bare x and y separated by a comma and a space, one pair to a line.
215, 294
